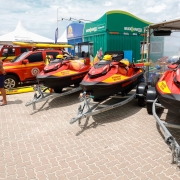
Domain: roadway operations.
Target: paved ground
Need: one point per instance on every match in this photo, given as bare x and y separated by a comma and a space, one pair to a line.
123, 143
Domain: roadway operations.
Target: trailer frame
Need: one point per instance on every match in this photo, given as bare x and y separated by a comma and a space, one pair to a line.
92, 107
41, 94
169, 139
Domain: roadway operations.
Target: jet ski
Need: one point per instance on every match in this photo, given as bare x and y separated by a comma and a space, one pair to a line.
63, 72
110, 76
168, 88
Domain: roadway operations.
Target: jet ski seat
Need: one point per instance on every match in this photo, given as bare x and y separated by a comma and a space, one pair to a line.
76, 65
122, 70
124, 67
130, 71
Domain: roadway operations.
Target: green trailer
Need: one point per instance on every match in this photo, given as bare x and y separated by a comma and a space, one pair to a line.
116, 31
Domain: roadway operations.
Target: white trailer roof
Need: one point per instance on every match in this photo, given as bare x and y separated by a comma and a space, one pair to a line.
167, 25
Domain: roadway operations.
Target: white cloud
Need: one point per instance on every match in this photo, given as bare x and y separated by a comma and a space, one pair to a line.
156, 9
40, 16
107, 3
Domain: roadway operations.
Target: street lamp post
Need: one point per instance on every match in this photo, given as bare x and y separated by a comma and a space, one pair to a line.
57, 16
57, 30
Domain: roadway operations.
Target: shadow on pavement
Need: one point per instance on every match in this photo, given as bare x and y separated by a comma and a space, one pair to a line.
113, 115
15, 102
57, 102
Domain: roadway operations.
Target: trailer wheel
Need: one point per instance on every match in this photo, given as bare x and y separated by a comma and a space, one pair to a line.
58, 90
150, 97
149, 108
141, 92
141, 101
10, 82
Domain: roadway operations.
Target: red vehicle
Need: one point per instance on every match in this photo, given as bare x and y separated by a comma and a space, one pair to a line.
9, 52
110, 76
63, 72
25, 67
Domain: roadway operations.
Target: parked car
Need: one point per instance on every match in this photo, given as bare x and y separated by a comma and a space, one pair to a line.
9, 52
25, 67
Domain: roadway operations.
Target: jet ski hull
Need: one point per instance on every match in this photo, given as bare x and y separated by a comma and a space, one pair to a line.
101, 90
168, 89
171, 102
59, 82
63, 73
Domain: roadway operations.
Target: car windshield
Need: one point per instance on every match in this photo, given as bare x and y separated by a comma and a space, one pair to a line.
18, 58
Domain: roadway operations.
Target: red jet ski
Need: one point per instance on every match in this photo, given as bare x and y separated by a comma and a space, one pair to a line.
63, 72
168, 88
111, 76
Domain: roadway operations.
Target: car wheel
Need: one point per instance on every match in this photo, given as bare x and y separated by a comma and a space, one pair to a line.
10, 82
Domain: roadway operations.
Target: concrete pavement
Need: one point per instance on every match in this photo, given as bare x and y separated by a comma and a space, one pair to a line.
123, 143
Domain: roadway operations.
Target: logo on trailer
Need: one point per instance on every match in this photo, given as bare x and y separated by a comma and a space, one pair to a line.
97, 28
70, 32
35, 71
133, 29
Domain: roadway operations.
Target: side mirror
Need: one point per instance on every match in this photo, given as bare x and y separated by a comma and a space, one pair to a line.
25, 61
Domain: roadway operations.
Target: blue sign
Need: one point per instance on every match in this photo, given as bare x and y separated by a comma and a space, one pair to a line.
75, 30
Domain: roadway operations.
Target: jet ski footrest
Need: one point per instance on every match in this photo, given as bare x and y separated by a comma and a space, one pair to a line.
169, 139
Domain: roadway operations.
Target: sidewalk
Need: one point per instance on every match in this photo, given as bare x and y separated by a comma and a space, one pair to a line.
123, 143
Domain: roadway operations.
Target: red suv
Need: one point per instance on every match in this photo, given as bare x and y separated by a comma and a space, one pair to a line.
26, 66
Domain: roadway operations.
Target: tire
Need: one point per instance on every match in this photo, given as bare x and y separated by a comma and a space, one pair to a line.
58, 90
141, 90
10, 82
150, 97
149, 108
142, 101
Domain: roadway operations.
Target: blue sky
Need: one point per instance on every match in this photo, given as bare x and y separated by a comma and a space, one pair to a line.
40, 16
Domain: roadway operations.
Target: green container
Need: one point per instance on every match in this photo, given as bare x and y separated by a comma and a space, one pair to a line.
116, 31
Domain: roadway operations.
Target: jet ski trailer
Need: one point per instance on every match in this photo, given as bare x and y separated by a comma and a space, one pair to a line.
44, 94
156, 99
63, 72
89, 107
97, 90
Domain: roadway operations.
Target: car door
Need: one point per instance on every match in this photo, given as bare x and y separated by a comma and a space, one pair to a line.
34, 66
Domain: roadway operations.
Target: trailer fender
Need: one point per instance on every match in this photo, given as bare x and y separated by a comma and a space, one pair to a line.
141, 89
151, 95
